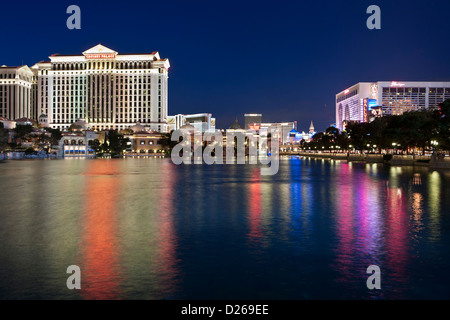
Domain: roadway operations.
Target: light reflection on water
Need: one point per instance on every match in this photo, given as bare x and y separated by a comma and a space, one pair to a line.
147, 229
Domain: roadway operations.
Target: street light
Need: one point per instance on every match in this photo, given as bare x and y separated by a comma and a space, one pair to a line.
435, 144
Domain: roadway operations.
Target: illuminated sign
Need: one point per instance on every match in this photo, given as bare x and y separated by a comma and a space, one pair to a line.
101, 56
397, 84
347, 91
365, 110
374, 90
344, 125
373, 103
254, 126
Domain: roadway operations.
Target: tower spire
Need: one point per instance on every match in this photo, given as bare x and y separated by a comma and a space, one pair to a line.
311, 128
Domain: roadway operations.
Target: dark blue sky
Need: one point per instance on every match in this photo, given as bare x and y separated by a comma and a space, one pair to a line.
285, 59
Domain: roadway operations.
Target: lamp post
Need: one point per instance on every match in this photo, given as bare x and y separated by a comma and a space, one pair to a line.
434, 143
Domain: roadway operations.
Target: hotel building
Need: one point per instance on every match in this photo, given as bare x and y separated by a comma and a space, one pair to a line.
104, 88
203, 122
253, 121
283, 130
366, 100
16, 92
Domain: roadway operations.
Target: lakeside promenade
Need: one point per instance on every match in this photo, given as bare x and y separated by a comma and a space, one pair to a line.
398, 160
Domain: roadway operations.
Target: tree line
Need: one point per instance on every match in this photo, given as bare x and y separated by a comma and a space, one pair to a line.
413, 130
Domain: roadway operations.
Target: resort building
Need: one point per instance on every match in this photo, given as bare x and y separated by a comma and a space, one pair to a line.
16, 92
77, 144
366, 100
252, 121
144, 142
106, 89
296, 137
203, 122
283, 129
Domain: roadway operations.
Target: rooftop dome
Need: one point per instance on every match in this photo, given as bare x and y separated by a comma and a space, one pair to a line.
138, 127
188, 127
235, 126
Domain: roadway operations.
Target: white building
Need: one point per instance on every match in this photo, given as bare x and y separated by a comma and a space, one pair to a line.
360, 101
283, 129
203, 122
16, 92
77, 144
106, 89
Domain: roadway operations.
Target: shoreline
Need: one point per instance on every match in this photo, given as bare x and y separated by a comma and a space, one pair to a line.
396, 160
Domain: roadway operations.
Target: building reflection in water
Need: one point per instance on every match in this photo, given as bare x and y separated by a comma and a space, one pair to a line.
372, 228
345, 248
417, 214
368, 220
167, 241
129, 238
417, 179
100, 272
434, 203
254, 208
397, 238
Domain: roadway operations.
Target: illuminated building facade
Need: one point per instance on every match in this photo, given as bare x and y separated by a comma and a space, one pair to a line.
284, 129
252, 121
144, 142
105, 89
16, 92
366, 100
203, 122
77, 145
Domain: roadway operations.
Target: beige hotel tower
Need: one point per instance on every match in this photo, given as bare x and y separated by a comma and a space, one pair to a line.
103, 88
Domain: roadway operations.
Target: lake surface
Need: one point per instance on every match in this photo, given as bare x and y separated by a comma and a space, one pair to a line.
148, 229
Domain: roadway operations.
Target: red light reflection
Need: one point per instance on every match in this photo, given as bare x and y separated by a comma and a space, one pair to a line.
100, 279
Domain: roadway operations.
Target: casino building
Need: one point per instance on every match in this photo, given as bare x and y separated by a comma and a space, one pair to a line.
203, 122
104, 88
366, 100
17, 93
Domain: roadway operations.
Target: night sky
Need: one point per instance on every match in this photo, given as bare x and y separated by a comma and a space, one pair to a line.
284, 59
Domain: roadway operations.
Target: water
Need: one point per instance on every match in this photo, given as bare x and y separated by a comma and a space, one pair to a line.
147, 229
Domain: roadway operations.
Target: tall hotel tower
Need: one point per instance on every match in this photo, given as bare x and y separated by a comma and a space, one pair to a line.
103, 88
17, 92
